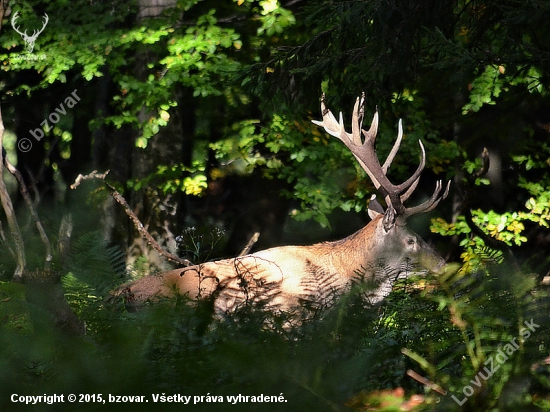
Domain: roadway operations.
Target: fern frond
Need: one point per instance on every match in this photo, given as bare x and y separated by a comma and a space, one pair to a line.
96, 263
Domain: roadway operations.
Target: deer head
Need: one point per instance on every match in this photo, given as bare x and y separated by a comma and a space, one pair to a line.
389, 237
30, 40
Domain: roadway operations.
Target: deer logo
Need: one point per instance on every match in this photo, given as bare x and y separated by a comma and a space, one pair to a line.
30, 40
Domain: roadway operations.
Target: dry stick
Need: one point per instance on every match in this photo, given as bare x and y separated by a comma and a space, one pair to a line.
89, 176
137, 223
10, 215
250, 243
25, 193
426, 382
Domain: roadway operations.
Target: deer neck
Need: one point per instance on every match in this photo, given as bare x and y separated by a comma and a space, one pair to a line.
354, 252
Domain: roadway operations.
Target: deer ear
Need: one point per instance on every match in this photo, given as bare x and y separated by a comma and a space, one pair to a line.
389, 219
375, 208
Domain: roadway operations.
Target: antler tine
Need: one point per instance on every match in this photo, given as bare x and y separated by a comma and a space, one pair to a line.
353, 141
329, 123
439, 199
395, 148
397, 194
410, 190
429, 204
409, 182
357, 119
415, 178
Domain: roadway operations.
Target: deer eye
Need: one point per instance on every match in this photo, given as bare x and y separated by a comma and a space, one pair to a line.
410, 241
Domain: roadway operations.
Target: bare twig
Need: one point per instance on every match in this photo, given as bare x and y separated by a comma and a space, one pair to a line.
426, 382
25, 193
251, 242
89, 176
141, 229
137, 223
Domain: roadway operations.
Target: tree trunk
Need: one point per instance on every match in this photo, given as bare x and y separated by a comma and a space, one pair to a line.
157, 211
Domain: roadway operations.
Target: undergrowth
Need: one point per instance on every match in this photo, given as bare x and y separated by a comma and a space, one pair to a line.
431, 337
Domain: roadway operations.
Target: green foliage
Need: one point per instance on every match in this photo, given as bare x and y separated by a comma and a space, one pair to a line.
490, 308
492, 81
444, 327
317, 176
507, 227
14, 315
274, 18
485, 88
93, 268
96, 263
254, 70
169, 179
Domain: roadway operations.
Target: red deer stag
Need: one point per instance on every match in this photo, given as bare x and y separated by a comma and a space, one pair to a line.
289, 277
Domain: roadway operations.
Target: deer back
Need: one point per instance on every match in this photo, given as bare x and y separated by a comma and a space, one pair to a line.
288, 277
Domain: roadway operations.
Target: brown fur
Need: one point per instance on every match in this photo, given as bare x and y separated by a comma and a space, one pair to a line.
286, 277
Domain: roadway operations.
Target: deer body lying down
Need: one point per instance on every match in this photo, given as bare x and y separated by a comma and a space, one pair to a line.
289, 277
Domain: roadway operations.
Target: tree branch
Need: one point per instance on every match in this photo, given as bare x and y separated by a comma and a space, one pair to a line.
137, 223
26, 197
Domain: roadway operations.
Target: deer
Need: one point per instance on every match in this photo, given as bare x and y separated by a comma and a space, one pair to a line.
287, 278
30, 40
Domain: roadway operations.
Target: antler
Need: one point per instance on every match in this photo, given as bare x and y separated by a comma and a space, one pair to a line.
365, 153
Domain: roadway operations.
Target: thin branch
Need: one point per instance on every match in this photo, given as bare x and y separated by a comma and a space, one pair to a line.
137, 223
93, 175
26, 197
426, 382
251, 242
